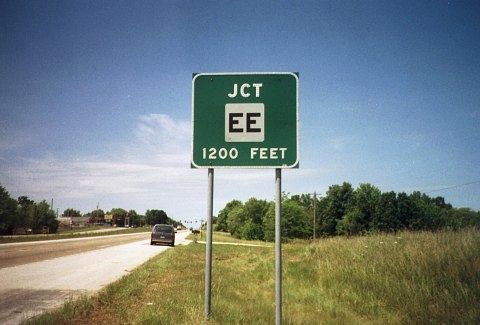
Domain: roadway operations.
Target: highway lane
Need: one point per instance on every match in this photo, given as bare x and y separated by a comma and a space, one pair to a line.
27, 252
30, 289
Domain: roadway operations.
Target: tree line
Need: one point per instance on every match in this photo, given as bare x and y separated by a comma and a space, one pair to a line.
30, 216
343, 211
26, 214
119, 215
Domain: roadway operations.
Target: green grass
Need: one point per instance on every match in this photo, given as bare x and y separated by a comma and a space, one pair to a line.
70, 234
225, 237
395, 279
83, 229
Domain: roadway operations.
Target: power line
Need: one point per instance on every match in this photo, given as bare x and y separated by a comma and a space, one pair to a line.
454, 186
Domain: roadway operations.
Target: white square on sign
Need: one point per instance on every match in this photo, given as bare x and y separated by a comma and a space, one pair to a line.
244, 122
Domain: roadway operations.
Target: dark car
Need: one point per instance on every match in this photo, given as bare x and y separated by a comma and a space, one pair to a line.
163, 234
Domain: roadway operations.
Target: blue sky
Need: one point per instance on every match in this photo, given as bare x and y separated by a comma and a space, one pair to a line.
95, 97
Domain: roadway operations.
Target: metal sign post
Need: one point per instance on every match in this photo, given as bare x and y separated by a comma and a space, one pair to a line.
314, 214
208, 257
278, 246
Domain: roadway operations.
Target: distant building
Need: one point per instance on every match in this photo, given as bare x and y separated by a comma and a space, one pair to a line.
73, 221
80, 221
108, 217
65, 221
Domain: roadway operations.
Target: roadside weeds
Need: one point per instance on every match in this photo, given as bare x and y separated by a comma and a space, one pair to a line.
396, 278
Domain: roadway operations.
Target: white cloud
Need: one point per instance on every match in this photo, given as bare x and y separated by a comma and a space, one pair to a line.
90, 177
151, 171
153, 165
164, 134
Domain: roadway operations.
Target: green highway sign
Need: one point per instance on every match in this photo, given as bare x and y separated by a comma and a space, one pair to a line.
245, 120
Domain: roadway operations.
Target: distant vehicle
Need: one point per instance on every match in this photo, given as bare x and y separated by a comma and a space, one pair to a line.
179, 227
163, 234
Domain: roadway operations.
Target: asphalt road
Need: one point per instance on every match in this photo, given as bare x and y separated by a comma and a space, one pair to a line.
22, 253
66, 269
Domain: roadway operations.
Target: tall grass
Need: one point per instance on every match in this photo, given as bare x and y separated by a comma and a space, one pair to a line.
408, 277
402, 278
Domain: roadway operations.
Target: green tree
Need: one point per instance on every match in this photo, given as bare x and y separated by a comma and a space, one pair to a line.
246, 220
45, 217
134, 218
8, 212
385, 216
404, 209
344, 211
255, 211
118, 216
71, 213
294, 222
425, 214
366, 198
251, 230
141, 220
468, 217
461, 218
26, 208
304, 200
223, 214
235, 220
40, 215
153, 217
333, 207
96, 216
353, 223
440, 202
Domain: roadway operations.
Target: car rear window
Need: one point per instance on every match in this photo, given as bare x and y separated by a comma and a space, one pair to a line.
159, 228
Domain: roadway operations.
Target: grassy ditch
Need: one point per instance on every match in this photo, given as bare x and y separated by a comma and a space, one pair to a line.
402, 278
80, 233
